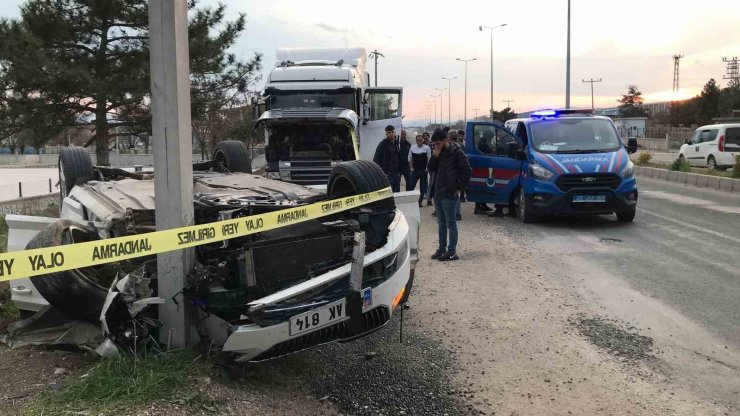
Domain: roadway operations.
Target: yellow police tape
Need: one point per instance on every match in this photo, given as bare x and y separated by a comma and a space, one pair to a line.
35, 262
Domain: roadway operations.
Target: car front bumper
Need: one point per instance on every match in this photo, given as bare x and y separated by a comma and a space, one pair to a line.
253, 342
544, 198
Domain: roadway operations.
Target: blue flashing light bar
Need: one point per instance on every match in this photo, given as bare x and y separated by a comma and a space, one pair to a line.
557, 113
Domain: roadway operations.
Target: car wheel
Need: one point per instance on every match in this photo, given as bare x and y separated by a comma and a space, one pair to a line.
75, 168
233, 155
358, 177
712, 163
522, 209
79, 293
626, 216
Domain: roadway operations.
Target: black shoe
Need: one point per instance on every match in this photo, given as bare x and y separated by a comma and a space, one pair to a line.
439, 254
449, 257
458, 217
434, 213
420, 205
429, 202
482, 209
497, 213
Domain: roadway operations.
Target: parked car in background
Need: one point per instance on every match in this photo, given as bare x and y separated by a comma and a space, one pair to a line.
714, 146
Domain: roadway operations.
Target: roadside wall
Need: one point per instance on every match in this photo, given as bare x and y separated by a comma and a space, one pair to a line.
29, 205
693, 179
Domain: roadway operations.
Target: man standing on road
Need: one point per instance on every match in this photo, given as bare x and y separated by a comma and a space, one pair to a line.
452, 173
403, 169
418, 158
452, 136
386, 156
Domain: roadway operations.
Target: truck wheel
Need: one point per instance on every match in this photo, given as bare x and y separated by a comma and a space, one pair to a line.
79, 293
626, 216
233, 155
358, 177
75, 168
522, 209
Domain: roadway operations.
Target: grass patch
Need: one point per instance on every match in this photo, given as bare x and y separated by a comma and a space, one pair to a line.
680, 165
115, 386
644, 159
735, 173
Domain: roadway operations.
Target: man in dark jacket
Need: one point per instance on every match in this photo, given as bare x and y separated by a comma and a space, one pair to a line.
451, 174
403, 167
387, 157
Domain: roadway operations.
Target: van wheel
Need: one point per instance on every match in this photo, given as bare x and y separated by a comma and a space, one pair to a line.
79, 293
233, 155
712, 163
75, 168
358, 177
626, 216
522, 208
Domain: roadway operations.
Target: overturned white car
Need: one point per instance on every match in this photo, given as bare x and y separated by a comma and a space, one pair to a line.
260, 296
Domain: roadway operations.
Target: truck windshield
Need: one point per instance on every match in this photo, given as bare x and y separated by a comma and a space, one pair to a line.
563, 135
313, 100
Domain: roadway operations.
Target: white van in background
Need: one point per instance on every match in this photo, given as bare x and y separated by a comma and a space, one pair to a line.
714, 146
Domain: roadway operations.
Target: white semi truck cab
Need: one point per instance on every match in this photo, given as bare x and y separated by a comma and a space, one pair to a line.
318, 105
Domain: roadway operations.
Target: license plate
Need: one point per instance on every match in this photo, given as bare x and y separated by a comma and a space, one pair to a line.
317, 318
589, 198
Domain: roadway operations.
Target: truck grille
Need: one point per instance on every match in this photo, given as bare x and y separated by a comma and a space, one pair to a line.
309, 171
372, 320
600, 180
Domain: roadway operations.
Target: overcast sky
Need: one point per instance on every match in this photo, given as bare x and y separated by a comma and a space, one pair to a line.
625, 42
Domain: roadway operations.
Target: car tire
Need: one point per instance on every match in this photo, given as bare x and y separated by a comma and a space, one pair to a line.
233, 155
73, 292
358, 177
626, 216
522, 212
75, 168
712, 163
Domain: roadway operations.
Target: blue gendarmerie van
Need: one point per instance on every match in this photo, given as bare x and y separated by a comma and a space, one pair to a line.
555, 162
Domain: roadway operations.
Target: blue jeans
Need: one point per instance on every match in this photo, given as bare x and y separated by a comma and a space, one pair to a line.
457, 206
446, 220
395, 181
418, 176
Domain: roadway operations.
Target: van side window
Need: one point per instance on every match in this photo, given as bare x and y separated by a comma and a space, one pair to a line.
490, 140
732, 139
708, 135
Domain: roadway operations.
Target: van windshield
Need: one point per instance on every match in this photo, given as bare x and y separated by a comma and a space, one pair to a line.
563, 135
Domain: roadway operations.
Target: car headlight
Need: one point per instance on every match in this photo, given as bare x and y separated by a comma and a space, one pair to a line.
628, 171
539, 172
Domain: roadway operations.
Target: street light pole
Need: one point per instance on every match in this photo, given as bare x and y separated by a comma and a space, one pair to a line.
441, 104
449, 99
591, 81
375, 54
567, 65
466, 84
435, 106
480, 28
476, 113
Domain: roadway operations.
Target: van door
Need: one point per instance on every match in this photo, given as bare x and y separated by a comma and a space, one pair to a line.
381, 107
496, 156
707, 145
692, 150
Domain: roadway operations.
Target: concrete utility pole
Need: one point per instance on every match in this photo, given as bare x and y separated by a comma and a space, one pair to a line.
567, 65
449, 99
480, 28
676, 62
591, 81
476, 113
733, 71
508, 103
466, 84
375, 54
173, 158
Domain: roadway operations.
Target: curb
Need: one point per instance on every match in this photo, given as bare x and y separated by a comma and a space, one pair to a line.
693, 179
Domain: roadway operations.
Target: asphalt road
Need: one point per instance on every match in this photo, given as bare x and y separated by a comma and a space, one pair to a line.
674, 273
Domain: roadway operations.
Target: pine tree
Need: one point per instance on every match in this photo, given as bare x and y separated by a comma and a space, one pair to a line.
631, 103
86, 62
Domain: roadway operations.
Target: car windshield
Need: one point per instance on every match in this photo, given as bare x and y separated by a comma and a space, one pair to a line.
564, 135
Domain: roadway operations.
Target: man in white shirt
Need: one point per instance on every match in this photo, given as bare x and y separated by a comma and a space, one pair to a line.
419, 156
